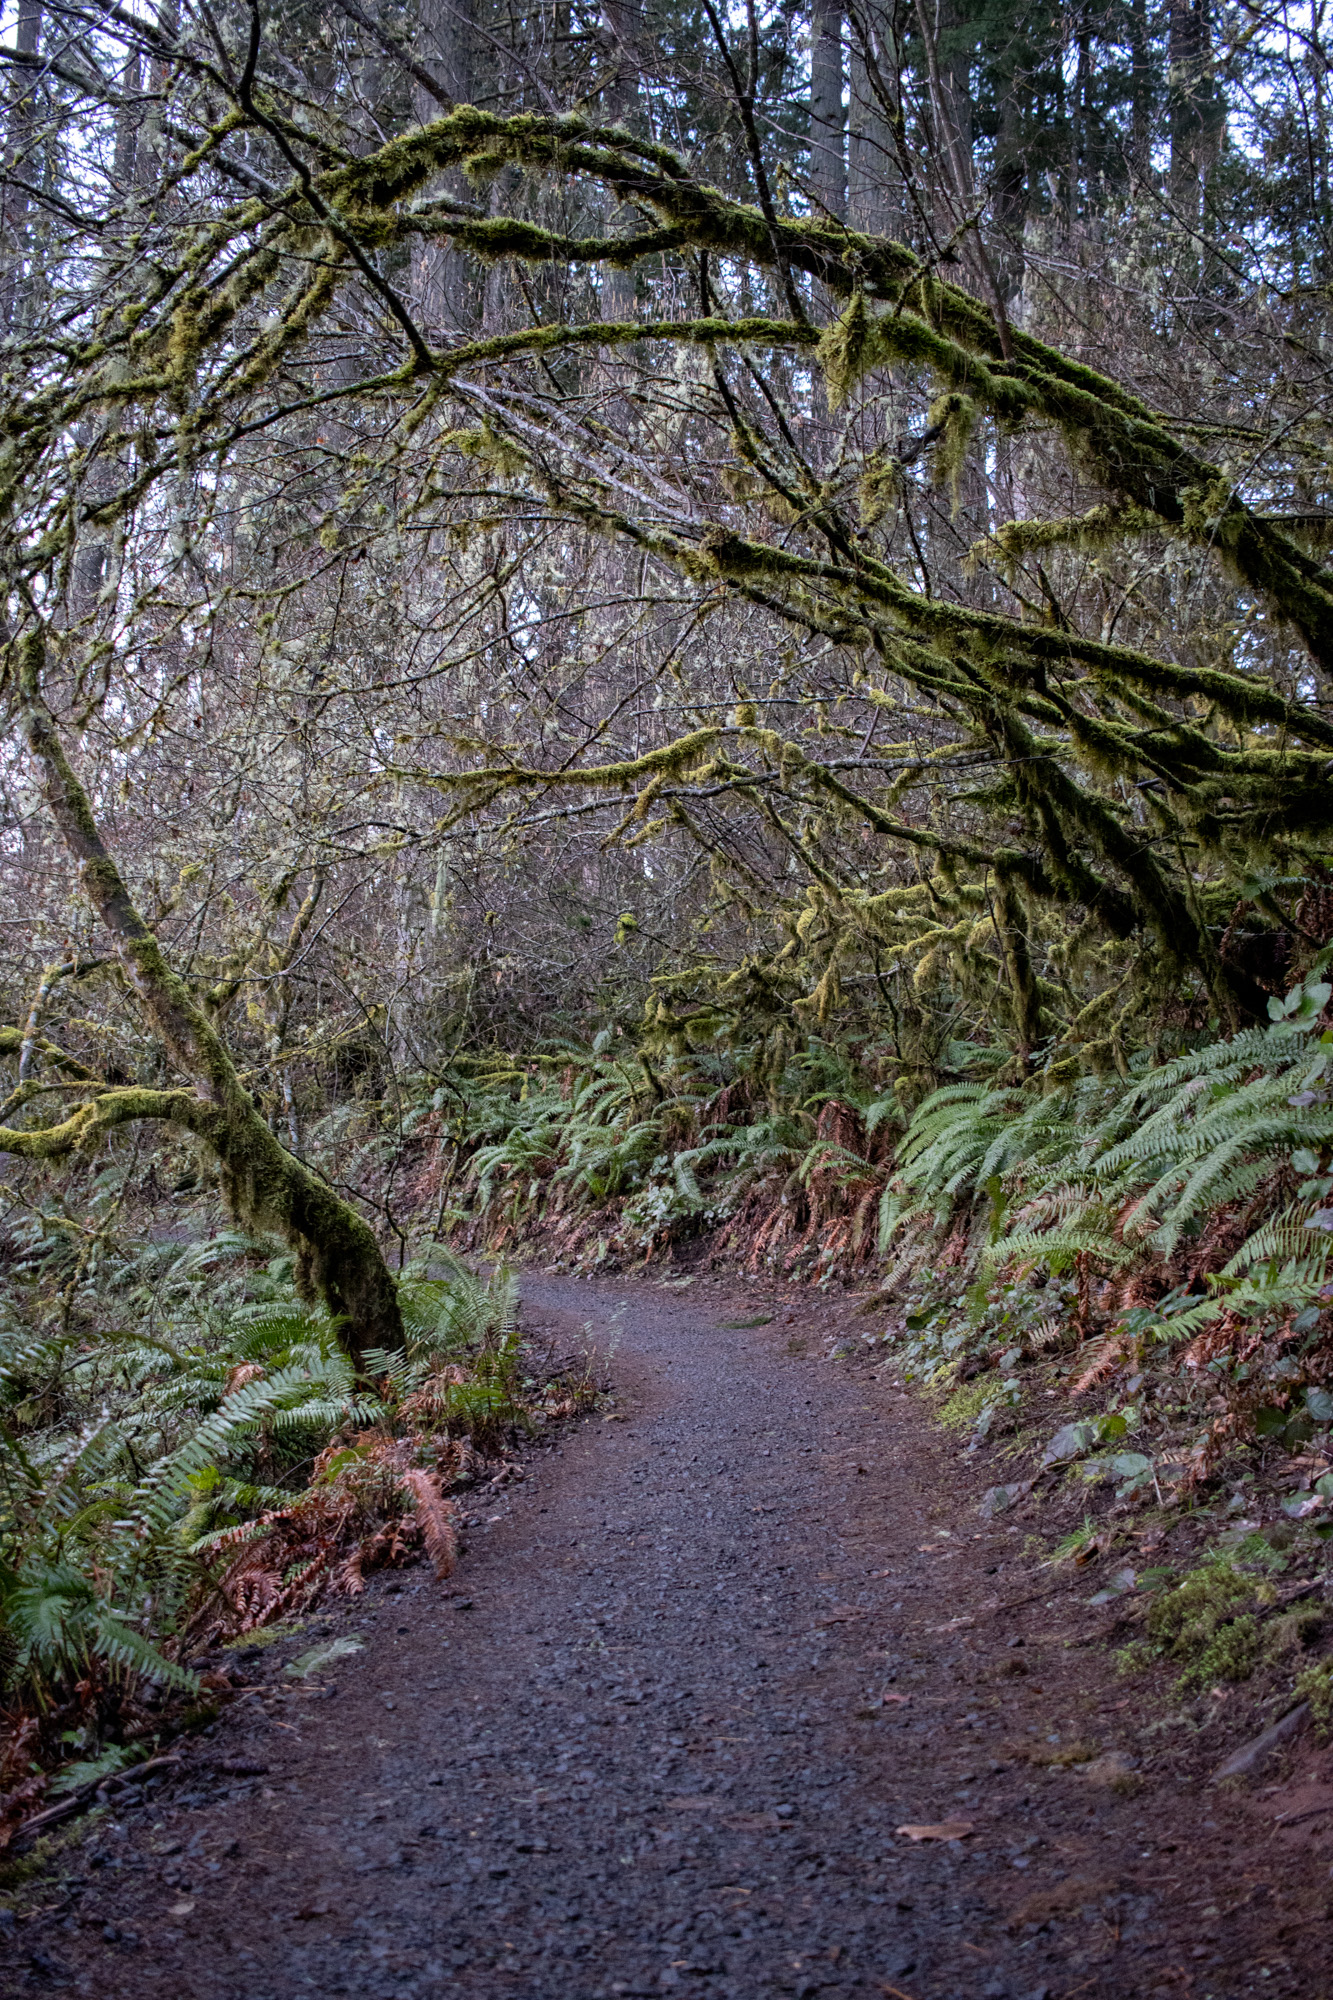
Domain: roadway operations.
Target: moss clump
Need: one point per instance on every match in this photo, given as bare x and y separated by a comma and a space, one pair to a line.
268, 1635
1296, 1631
1209, 1623
962, 1409
42, 1858
1067, 1756
1232, 1654
1315, 1685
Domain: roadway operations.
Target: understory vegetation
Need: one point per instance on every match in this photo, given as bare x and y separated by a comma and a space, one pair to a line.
187, 1455
1152, 1249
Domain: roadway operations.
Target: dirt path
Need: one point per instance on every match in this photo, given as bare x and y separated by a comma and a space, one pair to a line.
712, 1656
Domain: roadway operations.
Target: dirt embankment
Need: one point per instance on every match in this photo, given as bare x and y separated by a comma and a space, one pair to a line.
734, 1694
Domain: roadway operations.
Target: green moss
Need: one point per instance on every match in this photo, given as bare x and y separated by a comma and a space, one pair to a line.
1209, 1623
1098, 528
1295, 1631
847, 348
267, 1635
44, 1855
969, 1399
1315, 1685
1232, 1654
955, 415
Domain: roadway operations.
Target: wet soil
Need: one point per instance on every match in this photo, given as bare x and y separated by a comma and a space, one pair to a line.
664, 1730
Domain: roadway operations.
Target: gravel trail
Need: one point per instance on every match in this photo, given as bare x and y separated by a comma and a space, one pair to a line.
712, 1655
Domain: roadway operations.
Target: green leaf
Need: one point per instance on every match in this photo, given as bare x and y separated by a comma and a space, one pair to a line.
1133, 1469
1070, 1442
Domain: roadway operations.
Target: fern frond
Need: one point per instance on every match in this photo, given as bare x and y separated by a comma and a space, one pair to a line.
436, 1516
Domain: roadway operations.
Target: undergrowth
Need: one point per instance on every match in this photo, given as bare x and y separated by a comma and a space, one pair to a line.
1143, 1255
186, 1454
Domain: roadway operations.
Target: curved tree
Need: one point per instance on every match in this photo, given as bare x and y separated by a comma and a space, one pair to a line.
1061, 774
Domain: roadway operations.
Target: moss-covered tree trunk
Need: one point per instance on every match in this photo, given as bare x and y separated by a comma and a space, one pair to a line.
338, 1258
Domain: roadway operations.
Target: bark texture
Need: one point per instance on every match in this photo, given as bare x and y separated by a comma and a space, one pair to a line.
338, 1258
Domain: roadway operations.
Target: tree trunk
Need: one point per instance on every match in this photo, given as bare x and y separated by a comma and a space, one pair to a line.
1140, 133
280, 1016
876, 197
20, 134
442, 286
151, 145
338, 1258
1195, 112
622, 22
1010, 200
828, 162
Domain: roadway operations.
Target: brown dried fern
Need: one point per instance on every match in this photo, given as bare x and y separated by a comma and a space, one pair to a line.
436, 1518
1107, 1355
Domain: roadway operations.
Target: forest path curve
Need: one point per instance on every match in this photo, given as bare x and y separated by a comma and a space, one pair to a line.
712, 1655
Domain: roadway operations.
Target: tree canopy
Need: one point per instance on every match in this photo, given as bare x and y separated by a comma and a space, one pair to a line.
750, 520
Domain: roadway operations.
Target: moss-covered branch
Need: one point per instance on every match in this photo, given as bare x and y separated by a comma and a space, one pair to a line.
14, 1040
1125, 444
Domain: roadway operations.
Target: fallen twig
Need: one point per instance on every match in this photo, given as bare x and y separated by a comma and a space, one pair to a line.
84, 1796
1295, 1819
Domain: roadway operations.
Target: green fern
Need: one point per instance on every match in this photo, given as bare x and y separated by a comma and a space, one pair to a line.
1100, 1170
109, 1524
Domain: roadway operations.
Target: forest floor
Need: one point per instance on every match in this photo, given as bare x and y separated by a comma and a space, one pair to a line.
663, 1732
